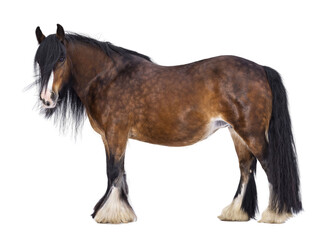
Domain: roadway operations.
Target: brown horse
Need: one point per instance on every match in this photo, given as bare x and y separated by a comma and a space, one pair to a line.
126, 95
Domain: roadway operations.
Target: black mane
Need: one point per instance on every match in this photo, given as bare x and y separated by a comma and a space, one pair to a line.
107, 47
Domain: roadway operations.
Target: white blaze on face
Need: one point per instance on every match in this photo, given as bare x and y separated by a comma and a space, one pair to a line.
47, 93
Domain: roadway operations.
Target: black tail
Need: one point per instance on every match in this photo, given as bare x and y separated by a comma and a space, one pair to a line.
282, 164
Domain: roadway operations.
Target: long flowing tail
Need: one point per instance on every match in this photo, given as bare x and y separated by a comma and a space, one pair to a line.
282, 157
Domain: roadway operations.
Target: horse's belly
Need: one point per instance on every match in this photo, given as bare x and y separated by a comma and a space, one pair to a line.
179, 136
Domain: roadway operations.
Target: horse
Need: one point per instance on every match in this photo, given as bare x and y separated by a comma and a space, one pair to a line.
126, 95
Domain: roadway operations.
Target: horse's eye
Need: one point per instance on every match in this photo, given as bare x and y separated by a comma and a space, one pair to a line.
61, 59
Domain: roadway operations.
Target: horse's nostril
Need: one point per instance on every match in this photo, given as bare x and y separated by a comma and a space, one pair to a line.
47, 103
53, 96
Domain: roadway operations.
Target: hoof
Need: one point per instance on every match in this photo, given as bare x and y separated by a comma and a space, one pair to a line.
115, 210
270, 216
233, 212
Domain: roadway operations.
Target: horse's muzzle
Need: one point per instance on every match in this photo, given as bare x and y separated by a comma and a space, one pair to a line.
49, 99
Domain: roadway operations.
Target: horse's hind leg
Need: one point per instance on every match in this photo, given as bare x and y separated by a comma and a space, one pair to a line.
258, 145
244, 204
114, 207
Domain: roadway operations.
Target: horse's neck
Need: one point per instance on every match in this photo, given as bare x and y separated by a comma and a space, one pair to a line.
87, 63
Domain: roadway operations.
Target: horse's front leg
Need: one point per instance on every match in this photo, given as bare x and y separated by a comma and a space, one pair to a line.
114, 207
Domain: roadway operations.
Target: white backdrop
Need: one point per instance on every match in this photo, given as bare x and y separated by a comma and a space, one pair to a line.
49, 183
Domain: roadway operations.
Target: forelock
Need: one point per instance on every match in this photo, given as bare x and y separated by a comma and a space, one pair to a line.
47, 55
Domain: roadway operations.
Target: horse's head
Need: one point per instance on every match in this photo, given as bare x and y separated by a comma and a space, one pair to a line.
54, 72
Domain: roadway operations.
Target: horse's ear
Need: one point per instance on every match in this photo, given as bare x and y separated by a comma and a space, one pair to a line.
60, 33
39, 35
